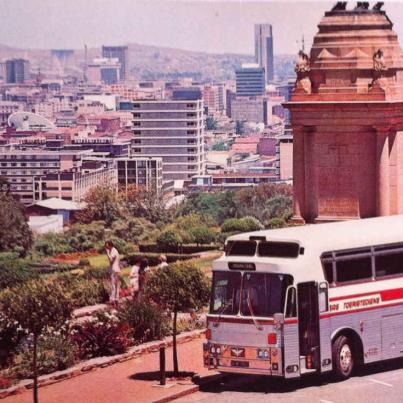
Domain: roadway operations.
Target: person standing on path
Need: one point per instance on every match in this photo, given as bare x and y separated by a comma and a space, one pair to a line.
114, 271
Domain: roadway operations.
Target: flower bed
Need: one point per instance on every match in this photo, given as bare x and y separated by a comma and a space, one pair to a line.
73, 256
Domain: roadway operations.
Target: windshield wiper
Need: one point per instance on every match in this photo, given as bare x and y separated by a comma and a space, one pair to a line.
249, 303
225, 306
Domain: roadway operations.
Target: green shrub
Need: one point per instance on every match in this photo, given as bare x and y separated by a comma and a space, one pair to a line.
8, 256
153, 258
96, 273
83, 291
192, 248
106, 335
169, 238
146, 321
55, 353
10, 337
14, 273
276, 223
52, 244
244, 224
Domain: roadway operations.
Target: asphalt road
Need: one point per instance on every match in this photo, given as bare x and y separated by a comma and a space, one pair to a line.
382, 382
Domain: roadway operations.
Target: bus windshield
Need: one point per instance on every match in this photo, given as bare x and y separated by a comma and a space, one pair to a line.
250, 294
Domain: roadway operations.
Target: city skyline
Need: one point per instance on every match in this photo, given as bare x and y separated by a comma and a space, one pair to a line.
61, 24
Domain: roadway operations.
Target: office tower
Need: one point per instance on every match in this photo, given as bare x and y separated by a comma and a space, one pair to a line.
17, 71
250, 80
264, 49
62, 59
172, 130
121, 53
104, 69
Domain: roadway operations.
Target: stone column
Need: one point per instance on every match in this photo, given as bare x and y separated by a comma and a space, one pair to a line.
311, 177
382, 171
299, 174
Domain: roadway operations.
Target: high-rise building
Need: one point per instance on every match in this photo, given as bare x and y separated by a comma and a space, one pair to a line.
173, 130
62, 59
121, 53
104, 69
264, 49
250, 80
17, 71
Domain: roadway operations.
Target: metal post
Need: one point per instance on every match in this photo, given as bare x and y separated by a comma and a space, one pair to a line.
162, 366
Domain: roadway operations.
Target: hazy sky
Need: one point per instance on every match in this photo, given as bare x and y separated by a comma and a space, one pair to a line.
212, 26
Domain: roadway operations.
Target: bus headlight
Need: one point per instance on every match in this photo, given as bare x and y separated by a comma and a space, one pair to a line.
266, 354
212, 349
218, 350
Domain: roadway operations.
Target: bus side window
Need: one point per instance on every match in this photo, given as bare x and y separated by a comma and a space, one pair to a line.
291, 303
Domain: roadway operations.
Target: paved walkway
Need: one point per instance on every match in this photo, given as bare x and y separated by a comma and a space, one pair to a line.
130, 381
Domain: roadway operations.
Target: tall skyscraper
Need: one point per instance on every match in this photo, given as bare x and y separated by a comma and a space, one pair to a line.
264, 49
121, 53
17, 71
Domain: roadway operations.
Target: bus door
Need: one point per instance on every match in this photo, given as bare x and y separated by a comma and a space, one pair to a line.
308, 326
291, 335
325, 328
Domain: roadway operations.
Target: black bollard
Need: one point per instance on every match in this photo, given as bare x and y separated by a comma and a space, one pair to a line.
162, 366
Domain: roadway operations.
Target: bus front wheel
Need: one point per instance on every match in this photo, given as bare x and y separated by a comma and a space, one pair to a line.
343, 357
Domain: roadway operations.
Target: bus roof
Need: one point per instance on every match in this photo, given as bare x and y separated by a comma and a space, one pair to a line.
336, 235
317, 239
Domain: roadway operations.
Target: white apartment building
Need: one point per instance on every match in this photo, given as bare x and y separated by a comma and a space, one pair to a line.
172, 130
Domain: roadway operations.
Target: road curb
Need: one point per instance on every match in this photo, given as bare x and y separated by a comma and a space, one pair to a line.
192, 389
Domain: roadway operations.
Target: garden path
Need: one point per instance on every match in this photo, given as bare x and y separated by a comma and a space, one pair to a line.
123, 382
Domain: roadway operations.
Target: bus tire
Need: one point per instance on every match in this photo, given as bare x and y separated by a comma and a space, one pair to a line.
343, 357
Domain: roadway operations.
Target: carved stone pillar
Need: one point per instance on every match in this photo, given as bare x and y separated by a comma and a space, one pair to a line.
382, 171
299, 174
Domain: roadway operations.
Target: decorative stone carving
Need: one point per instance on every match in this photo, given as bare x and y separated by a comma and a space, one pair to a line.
340, 5
303, 65
362, 5
379, 62
302, 69
378, 6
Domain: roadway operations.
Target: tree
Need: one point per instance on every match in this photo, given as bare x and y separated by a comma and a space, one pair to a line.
178, 288
139, 201
35, 306
102, 205
211, 123
14, 229
219, 206
169, 239
201, 234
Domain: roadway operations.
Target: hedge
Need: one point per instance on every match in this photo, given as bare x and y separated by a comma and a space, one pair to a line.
153, 258
190, 248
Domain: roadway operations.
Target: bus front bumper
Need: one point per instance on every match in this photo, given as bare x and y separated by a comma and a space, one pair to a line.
242, 359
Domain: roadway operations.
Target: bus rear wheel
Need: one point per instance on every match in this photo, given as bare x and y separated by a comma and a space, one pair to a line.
343, 357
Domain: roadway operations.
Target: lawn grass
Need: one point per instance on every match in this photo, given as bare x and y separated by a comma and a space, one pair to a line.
98, 261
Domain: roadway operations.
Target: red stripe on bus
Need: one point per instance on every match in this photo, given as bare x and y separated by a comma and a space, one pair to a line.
386, 295
389, 295
330, 314
239, 320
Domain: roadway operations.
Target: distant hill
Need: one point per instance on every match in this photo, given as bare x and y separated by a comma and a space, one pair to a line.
153, 62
